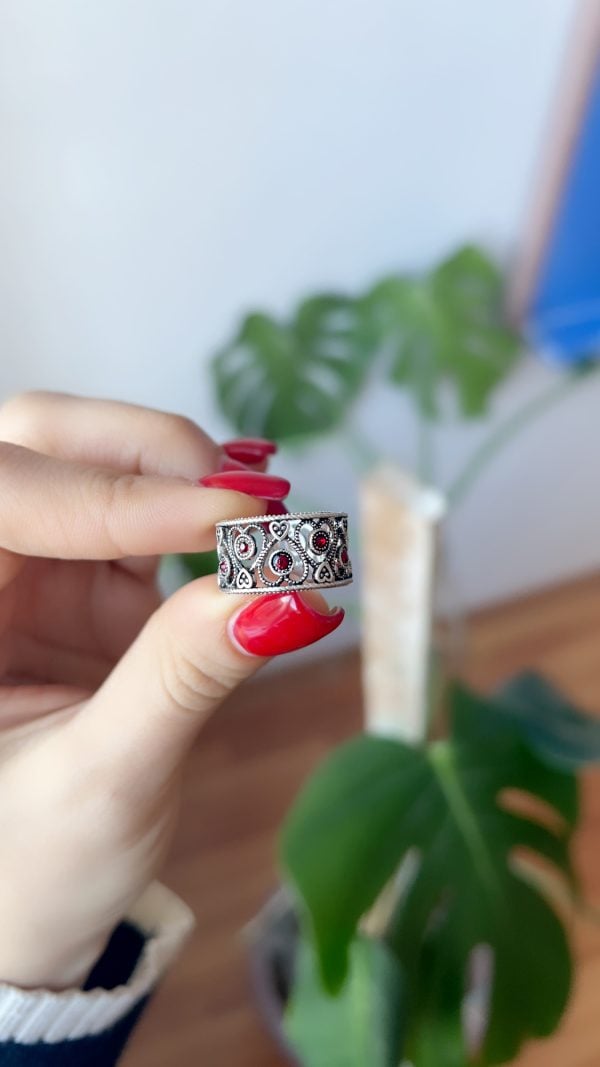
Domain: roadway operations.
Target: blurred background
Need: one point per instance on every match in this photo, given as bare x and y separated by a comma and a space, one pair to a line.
168, 166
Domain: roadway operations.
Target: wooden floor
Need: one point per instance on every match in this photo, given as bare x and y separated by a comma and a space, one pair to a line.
243, 775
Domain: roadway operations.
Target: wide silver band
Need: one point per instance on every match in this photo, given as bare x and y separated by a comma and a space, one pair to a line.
275, 553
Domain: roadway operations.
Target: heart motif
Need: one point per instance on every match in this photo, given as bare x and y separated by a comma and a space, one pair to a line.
323, 573
278, 529
244, 580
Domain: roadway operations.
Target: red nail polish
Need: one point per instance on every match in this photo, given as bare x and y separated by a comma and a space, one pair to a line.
282, 622
250, 449
228, 464
276, 507
265, 486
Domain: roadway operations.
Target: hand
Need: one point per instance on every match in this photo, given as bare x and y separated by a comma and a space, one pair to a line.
103, 688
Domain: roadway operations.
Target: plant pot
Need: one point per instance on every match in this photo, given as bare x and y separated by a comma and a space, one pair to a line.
271, 939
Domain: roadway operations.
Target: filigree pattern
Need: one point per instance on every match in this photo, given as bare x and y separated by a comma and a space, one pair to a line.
276, 553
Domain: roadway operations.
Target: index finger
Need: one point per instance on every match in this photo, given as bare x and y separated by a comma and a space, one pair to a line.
65, 510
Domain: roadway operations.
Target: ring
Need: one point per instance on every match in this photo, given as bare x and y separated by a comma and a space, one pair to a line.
270, 554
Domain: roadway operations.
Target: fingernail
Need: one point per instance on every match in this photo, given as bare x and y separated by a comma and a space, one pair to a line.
276, 507
265, 486
228, 464
250, 449
281, 622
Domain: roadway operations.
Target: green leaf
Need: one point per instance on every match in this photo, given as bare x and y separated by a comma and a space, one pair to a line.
437, 1038
560, 733
291, 380
343, 839
470, 286
377, 800
361, 1025
447, 327
411, 331
479, 348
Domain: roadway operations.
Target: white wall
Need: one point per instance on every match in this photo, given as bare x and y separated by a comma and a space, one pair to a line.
167, 164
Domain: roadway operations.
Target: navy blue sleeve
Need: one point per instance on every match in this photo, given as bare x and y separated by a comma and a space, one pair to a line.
114, 968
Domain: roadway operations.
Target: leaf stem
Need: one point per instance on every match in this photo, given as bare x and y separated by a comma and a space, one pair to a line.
508, 429
440, 755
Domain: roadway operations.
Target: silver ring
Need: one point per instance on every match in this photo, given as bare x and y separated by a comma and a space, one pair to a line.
276, 553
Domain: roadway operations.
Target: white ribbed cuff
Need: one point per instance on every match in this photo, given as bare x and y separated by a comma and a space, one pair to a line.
27, 1016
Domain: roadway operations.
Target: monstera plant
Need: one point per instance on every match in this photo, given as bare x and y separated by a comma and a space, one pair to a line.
459, 834
441, 337
408, 863
301, 378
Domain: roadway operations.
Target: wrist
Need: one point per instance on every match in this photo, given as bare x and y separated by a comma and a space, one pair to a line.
40, 964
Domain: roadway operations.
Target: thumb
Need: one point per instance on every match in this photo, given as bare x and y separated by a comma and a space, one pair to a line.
194, 651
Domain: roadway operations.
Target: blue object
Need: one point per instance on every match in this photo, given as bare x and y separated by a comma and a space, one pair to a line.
564, 316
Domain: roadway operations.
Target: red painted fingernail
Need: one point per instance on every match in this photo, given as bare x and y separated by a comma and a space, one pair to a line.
276, 507
266, 486
228, 464
281, 622
250, 449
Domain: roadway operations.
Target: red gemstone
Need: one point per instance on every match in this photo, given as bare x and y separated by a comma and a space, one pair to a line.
282, 561
223, 566
320, 541
243, 547
344, 556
